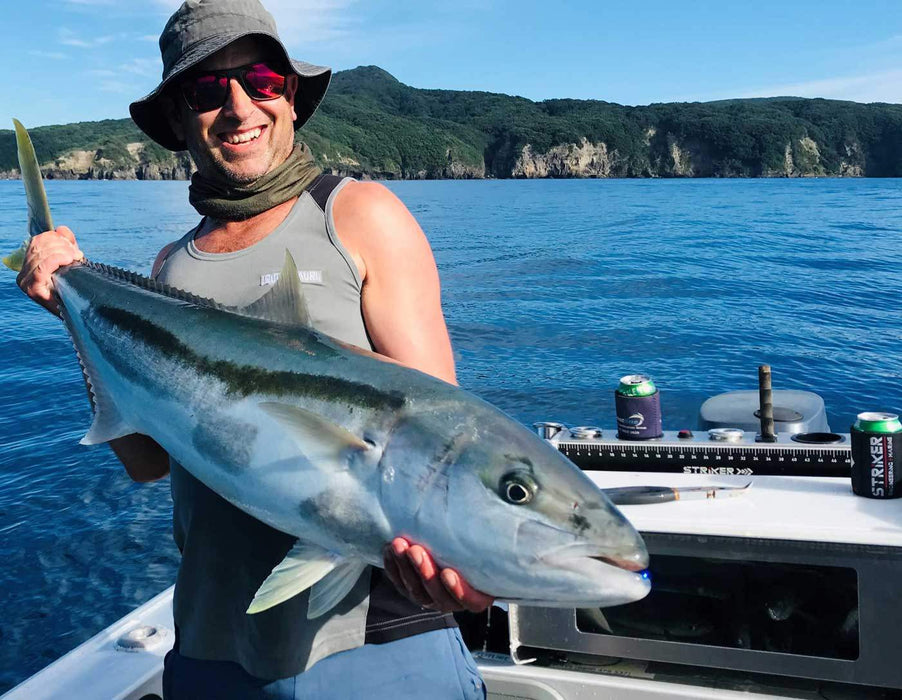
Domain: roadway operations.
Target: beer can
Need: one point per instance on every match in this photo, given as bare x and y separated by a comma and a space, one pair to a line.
638, 403
876, 444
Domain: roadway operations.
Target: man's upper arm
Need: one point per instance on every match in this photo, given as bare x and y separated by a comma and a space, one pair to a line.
401, 295
161, 258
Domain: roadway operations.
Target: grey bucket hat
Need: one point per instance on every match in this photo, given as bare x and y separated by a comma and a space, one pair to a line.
198, 29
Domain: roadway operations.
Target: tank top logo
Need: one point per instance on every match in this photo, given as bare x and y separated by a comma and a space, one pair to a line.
306, 277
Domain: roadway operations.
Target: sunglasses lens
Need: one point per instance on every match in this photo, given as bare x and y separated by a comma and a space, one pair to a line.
208, 91
205, 92
263, 83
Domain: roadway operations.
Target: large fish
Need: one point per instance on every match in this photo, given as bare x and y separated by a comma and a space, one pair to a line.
337, 446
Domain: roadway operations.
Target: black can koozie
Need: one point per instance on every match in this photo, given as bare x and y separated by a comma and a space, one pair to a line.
874, 470
638, 417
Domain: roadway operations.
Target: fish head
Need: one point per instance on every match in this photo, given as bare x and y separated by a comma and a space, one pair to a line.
525, 525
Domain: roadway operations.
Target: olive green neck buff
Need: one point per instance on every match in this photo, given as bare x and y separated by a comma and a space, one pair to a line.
224, 200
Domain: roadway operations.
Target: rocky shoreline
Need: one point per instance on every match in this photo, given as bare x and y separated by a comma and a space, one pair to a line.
584, 160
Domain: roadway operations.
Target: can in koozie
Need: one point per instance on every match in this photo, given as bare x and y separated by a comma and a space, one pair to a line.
876, 444
638, 404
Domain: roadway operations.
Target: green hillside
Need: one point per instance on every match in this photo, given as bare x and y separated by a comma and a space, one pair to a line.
372, 125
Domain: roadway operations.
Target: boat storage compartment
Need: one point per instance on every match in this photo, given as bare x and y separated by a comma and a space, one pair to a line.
797, 578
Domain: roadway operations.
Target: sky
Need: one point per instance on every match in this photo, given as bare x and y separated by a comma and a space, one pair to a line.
81, 60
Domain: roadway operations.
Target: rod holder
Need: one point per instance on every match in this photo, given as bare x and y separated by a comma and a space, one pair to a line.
766, 405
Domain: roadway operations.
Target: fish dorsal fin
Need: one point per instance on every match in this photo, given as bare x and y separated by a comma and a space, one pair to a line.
332, 588
325, 444
303, 566
285, 302
138, 280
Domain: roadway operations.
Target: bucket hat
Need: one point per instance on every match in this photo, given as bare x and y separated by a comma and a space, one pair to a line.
198, 29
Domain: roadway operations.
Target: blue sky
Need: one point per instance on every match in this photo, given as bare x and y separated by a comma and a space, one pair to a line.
79, 60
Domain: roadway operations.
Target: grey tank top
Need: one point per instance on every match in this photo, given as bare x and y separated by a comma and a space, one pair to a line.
226, 554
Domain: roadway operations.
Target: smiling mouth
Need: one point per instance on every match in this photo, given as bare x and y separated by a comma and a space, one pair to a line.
235, 138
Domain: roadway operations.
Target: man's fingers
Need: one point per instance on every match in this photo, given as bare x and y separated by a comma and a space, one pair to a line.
410, 579
412, 569
40, 290
428, 573
37, 271
391, 568
60, 241
464, 593
46, 253
66, 233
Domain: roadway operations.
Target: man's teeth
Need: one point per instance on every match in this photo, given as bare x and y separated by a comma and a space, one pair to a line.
243, 138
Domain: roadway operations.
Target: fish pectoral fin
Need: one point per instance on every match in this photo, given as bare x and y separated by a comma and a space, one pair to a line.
302, 567
323, 442
331, 590
596, 615
285, 302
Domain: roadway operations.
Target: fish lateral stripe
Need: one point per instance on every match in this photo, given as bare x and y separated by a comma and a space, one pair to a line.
246, 380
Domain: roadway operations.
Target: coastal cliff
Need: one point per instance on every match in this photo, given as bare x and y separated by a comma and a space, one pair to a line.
372, 126
100, 165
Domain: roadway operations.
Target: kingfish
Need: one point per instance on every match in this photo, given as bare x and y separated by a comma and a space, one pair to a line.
335, 445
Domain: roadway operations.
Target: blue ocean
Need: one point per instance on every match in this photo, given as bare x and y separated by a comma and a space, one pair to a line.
552, 291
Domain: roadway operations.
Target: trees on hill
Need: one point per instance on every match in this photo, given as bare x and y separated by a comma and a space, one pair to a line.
373, 125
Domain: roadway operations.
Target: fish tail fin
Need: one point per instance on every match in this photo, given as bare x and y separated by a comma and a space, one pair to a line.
39, 218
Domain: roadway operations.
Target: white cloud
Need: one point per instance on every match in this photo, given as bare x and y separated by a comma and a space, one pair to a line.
69, 38
116, 87
300, 22
147, 67
882, 86
55, 55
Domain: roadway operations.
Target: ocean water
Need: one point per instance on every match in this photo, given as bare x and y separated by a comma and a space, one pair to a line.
552, 291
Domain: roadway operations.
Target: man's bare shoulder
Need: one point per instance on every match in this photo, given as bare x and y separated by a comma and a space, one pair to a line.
373, 209
161, 258
362, 193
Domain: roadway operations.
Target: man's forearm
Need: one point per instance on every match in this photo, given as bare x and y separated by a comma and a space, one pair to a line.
142, 457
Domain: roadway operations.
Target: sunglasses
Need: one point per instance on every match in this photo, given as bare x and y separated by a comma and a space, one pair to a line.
207, 91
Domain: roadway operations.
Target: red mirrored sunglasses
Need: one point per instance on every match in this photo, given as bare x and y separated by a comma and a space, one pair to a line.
207, 91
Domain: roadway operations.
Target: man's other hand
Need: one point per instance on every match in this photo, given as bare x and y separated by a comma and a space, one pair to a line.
413, 571
47, 252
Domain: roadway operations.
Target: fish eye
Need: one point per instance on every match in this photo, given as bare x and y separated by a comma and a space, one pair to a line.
517, 488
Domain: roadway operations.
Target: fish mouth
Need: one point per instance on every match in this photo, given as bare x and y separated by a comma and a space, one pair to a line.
608, 580
635, 565
634, 562
625, 553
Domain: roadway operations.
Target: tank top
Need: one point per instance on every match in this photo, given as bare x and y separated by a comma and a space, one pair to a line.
226, 554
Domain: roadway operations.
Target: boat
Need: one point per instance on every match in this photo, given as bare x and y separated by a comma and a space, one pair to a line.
789, 590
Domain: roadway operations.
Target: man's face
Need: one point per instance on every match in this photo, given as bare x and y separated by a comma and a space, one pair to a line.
243, 139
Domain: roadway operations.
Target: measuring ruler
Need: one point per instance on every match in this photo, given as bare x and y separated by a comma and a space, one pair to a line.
699, 455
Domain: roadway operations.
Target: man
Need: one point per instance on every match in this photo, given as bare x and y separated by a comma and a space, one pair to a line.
231, 95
